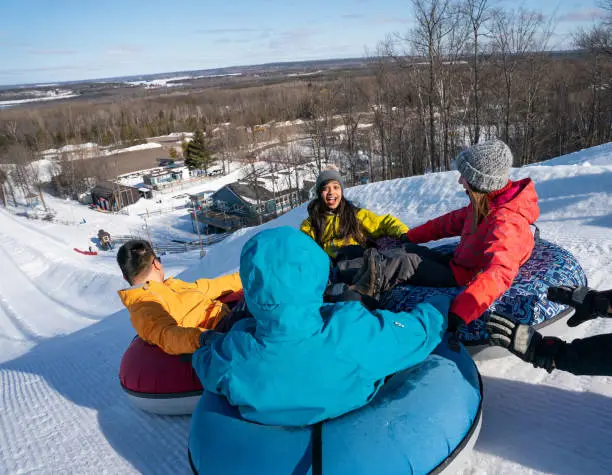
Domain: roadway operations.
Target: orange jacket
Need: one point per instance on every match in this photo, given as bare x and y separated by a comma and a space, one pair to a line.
173, 314
488, 260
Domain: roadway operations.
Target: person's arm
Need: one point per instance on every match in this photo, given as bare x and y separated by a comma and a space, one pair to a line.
385, 342
306, 228
504, 248
447, 225
212, 362
215, 288
378, 226
588, 356
155, 325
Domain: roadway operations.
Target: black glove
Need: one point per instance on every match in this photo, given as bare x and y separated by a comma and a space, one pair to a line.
342, 293
454, 322
208, 336
523, 341
405, 238
589, 304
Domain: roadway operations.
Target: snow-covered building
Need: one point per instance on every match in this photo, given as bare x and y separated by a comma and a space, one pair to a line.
111, 196
166, 176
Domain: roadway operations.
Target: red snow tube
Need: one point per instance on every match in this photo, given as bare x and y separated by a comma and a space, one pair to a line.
87, 253
158, 382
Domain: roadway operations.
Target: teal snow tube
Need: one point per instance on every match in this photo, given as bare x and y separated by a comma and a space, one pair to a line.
424, 420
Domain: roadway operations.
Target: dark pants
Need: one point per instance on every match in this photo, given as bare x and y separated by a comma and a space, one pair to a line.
587, 356
408, 264
347, 263
415, 265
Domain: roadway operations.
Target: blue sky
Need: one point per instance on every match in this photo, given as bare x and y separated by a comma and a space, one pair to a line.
45, 40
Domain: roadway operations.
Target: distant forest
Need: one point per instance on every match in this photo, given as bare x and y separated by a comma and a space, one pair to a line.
466, 71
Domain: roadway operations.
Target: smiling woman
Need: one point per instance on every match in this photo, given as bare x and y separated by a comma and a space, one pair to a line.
338, 225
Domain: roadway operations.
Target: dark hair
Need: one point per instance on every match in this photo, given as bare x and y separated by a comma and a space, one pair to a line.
135, 257
349, 227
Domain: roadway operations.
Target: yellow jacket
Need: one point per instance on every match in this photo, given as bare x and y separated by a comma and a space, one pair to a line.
173, 314
373, 225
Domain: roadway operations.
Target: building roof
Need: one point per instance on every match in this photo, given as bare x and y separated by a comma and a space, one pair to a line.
248, 191
201, 194
106, 187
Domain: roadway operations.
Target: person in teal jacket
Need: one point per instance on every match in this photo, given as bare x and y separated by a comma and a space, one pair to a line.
299, 361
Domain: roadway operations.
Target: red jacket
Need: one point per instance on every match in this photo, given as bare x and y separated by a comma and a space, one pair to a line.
488, 260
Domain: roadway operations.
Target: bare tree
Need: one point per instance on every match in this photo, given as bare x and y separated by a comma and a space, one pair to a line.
319, 126
476, 14
449, 82
432, 18
515, 34
598, 39
348, 100
22, 174
251, 176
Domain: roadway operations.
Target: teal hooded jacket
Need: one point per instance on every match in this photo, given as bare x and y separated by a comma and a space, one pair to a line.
300, 361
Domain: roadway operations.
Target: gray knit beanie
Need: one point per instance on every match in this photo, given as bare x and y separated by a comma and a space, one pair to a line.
328, 175
486, 165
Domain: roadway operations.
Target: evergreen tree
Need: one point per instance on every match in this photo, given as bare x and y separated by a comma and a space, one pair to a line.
198, 154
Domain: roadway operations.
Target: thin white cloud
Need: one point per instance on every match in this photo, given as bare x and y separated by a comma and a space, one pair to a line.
295, 39
14, 72
388, 19
123, 50
225, 31
353, 16
584, 14
52, 52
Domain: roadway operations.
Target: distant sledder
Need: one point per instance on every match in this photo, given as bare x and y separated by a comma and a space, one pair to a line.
106, 242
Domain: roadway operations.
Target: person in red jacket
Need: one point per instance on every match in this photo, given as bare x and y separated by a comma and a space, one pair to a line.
496, 238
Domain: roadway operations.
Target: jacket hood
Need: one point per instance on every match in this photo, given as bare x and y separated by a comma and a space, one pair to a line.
519, 197
284, 274
133, 294
136, 293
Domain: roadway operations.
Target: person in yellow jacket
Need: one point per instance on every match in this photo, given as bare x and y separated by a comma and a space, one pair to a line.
171, 313
335, 223
344, 231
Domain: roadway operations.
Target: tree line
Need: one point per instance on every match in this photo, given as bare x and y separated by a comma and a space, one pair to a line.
465, 72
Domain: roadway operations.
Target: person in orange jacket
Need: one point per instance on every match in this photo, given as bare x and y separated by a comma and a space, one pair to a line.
171, 313
496, 238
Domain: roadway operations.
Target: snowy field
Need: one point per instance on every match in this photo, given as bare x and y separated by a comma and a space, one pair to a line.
62, 333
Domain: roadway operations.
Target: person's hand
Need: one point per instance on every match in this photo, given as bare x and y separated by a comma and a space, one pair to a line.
454, 322
588, 303
208, 336
404, 238
523, 341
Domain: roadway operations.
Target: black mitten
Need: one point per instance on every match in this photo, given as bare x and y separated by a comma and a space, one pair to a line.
588, 303
523, 341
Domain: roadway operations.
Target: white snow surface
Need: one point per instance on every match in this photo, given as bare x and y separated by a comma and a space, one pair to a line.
40, 96
63, 332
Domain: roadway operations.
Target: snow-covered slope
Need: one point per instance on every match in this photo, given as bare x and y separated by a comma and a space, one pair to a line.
62, 333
